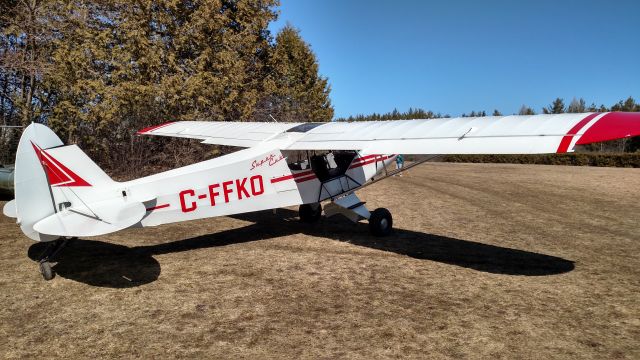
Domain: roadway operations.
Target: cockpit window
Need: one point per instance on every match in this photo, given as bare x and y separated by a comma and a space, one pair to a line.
303, 128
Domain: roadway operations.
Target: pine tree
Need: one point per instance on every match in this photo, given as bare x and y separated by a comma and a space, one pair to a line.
118, 67
25, 36
577, 106
557, 107
628, 105
295, 91
525, 110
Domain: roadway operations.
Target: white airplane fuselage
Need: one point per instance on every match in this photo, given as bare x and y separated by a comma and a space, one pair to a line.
60, 192
253, 179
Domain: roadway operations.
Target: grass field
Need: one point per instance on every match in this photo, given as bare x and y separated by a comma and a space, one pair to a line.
487, 261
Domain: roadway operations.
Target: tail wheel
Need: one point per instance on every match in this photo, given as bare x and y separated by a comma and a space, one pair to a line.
381, 222
46, 270
310, 213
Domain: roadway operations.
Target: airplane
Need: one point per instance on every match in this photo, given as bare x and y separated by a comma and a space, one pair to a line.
60, 193
6, 170
6, 179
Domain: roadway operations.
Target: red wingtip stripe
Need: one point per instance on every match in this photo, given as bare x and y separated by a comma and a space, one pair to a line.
566, 140
151, 128
615, 125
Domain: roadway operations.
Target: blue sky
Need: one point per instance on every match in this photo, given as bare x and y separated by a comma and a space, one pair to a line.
460, 55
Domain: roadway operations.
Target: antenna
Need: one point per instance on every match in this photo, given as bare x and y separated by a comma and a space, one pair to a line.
274, 119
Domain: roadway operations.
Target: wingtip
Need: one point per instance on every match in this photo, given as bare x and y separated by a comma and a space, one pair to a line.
152, 128
614, 125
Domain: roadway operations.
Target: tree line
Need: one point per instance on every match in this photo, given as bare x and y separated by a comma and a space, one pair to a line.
556, 107
96, 72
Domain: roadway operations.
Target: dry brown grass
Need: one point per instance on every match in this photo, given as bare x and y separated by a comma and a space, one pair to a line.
488, 261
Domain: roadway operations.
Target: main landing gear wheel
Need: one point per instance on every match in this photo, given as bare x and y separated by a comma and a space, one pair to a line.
380, 222
310, 213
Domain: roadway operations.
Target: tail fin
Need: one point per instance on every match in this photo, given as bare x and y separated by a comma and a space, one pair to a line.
51, 178
34, 199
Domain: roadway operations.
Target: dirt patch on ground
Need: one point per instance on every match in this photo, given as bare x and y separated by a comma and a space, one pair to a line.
487, 261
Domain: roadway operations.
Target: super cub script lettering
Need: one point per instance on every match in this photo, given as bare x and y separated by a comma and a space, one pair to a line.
271, 160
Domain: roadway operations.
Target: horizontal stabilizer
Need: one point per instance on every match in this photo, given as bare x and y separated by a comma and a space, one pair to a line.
102, 218
9, 209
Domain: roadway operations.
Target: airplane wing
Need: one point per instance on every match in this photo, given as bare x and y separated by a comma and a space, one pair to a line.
244, 134
515, 134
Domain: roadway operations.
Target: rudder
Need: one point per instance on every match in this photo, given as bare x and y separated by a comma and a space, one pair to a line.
49, 175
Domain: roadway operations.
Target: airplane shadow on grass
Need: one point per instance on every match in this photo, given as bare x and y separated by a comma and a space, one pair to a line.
104, 264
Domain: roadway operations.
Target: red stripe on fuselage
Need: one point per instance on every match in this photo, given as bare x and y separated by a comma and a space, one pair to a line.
158, 207
292, 176
371, 161
303, 179
282, 178
360, 159
304, 173
310, 175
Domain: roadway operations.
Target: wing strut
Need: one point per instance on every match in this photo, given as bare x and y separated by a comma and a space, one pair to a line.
397, 171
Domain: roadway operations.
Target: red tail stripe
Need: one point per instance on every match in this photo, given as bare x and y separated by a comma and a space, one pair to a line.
57, 173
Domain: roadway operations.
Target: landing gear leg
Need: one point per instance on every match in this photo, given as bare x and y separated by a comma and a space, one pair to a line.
49, 255
380, 220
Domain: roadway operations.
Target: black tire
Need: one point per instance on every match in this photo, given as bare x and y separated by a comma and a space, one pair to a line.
309, 213
380, 222
46, 270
